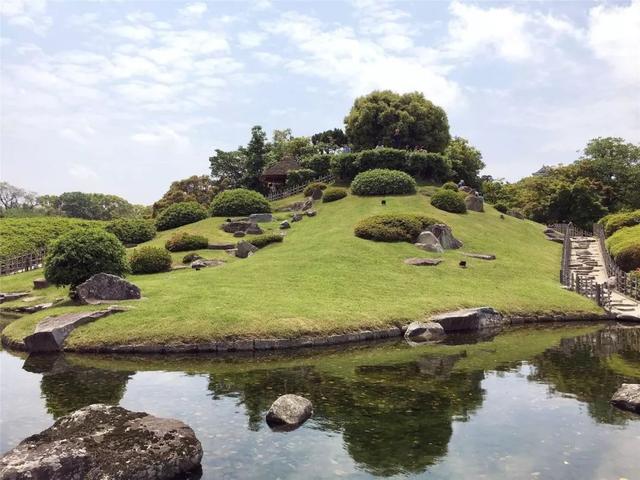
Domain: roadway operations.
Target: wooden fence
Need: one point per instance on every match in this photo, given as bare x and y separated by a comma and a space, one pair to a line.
625, 283
22, 263
288, 192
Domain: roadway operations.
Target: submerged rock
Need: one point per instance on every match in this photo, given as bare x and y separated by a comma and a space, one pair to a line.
423, 331
289, 412
104, 286
627, 397
102, 441
469, 319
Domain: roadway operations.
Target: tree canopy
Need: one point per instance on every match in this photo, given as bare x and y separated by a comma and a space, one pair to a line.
196, 188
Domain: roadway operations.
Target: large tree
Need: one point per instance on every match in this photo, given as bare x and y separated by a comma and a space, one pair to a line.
329, 141
196, 188
94, 206
256, 157
385, 118
466, 161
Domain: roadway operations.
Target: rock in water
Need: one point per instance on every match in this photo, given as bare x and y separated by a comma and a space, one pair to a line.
244, 249
104, 286
445, 236
469, 319
627, 397
289, 412
474, 203
102, 441
428, 241
423, 331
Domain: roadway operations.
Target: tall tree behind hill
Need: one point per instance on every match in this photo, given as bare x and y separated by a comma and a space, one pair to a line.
329, 141
196, 188
94, 206
466, 161
255, 154
409, 121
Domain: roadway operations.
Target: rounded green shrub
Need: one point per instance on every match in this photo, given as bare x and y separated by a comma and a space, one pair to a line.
309, 189
449, 201
393, 227
615, 221
180, 214
239, 201
381, 181
450, 186
501, 207
80, 253
190, 257
150, 260
183, 241
132, 230
624, 246
265, 239
333, 193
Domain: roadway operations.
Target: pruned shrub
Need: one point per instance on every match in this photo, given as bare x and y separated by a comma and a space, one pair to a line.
383, 182
80, 253
615, 221
150, 260
180, 214
239, 201
450, 186
309, 189
332, 194
190, 257
393, 227
300, 176
449, 201
501, 207
624, 246
132, 230
263, 240
183, 241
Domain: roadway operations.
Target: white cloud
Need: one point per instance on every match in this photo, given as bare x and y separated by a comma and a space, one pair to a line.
251, 39
194, 10
30, 14
82, 172
159, 136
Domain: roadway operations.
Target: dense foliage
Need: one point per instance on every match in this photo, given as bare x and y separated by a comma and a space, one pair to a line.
450, 186
265, 239
196, 188
332, 194
393, 120
320, 163
190, 257
449, 201
132, 230
180, 214
239, 201
465, 160
300, 176
501, 207
24, 235
312, 187
329, 140
393, 227
624, 246
183, 242
93, 206
383, 181
150, 260
615, 221
80, 253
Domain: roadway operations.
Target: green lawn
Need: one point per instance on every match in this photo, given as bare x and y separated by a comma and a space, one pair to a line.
324, 279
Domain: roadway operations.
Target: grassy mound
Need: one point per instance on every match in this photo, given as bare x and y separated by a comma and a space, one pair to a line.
624, 246
324, 279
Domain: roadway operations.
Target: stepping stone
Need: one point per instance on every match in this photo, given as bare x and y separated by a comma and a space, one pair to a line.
8, 297
221, 246
420, 262
481, 256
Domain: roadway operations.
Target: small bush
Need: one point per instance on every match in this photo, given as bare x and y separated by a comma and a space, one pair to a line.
334, 193
190, 257
132, 230
383, 182
81, 253
150, 260
264, 240
501, 207
300, 176
450, 186
393, 227
624, 246
183, 241
615, 221
239, 201
180, 214
309, 189
449, 201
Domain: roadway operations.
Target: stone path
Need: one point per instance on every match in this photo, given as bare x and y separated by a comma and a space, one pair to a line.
587, 262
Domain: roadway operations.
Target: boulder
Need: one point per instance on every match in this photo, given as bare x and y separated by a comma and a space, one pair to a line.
445, 236
239, 234
428, 241
316, 194
244, 249
39, 283
203, 263
237, 226
307, 204
469, 319
289, 412
104, 286
284, 225
421, 262
481, 256
474, 203
50, 333
423, 331
296, 217
9, 297
260, 217
627, 397
311, 213
254, 229
103, 441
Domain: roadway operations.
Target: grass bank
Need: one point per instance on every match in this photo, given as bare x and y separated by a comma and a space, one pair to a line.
322, 279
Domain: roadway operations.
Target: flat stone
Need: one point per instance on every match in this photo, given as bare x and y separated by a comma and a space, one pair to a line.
8, 297
421, 262
39, 283
30, 308
204, 263
260, 217
235, 226
239, 234
104, 286
627, 397
289, 412
50, 333
103, 441
481, 256
221, 246
470, 319
423, 331
244, 249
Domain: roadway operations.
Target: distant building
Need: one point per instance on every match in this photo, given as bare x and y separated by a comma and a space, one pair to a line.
545, 170
276, 175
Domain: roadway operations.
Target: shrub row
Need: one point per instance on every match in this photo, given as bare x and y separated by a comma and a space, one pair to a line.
624, 246
333, 193
183, 241
450, 186
300, 176
132, 230
615, 221
263, 240
393, 227
180, 214
382, 181
449, 201
239, 201
149, 260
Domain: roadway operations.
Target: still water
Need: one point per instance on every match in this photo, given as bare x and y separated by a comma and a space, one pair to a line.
528, 403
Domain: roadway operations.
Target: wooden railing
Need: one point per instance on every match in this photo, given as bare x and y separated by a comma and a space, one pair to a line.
571, 229
625, 283
22, 263
288, 192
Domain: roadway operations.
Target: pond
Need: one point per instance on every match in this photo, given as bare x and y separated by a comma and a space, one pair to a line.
531, 402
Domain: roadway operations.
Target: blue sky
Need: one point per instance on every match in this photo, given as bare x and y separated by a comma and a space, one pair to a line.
125, 97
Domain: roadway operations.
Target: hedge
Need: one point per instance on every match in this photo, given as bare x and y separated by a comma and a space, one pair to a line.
132, 230
450, 186
449, 201
180, 214
333, 193
320, 163
300, 176
263, 240
393, 227
624, 246
149, 260
309, 189
615, 221
382, 181
183, 241
239, 201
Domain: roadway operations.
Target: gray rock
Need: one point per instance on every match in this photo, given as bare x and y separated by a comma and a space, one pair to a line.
260, 217
239, 234
244, 249
203, 263
445, 236
104, 286
316, 194
237, 226
474, 203
39, 283
296, 217
8, 297
421, 262
627, 397
311, 213
470, 319
50, 333
428, 241
284, 225
307, 204
289, 412
254, 229
221, 246
481, 256
424, 331
102, 441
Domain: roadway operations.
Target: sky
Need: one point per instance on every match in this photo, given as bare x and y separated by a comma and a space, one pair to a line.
124, 97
